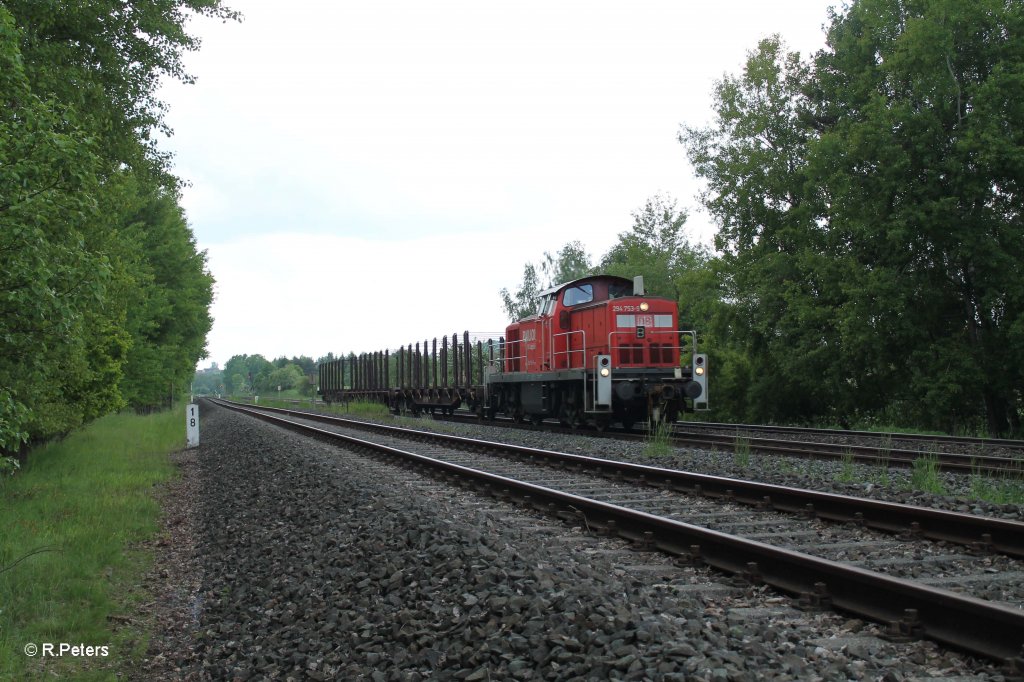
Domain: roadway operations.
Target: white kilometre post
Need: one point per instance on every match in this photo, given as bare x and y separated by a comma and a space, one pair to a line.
192, 424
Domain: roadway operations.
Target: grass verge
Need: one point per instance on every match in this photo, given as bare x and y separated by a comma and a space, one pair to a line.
71, 521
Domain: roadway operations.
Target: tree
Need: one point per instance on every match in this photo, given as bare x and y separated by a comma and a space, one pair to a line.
778, 315
168, 313
77, 88
524, 302
248, 373
655, 247
55, 278
287, 378
923, 161
869, 210
106, 59
570, 263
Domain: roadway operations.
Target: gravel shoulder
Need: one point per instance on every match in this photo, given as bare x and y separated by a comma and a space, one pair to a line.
284, 558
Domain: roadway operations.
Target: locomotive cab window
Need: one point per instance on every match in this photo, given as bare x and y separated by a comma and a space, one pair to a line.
547, 304
619, 290
584, 293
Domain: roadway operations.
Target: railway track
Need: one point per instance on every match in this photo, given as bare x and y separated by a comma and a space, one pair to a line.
986, 456
883, 454
836, 435
956, 454
951, 577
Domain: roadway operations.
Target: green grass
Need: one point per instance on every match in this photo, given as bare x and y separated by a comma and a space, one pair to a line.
846, 472
741, 451
924, 475
355, 408
658, 440
71, 521
997, 490
362, 408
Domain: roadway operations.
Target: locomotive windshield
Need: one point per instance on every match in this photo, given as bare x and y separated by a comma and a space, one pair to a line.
547, 304
619, 289
583, 293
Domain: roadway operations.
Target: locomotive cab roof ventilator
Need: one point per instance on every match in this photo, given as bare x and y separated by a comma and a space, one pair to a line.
638, 285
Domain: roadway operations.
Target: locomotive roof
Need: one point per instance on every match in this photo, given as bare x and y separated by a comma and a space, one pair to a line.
575, 282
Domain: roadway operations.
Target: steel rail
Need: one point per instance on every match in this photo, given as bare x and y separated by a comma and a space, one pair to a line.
867, 454
978, 532
1012, 444
910, 609
946, 461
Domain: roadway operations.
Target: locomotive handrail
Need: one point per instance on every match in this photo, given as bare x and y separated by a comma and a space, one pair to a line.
571, 351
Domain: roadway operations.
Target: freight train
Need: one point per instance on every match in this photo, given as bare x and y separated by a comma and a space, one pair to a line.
598, 351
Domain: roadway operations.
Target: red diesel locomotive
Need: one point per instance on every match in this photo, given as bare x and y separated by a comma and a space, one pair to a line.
599, 350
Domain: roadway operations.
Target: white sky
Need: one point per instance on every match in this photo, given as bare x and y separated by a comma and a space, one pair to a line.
366, 174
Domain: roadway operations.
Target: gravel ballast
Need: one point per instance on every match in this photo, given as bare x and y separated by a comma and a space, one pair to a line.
892, 484
318, 564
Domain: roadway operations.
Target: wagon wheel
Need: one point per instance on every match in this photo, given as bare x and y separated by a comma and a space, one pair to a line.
536, 419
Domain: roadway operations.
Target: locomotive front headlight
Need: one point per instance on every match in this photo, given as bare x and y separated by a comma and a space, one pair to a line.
699, 371
605, 371
644, 306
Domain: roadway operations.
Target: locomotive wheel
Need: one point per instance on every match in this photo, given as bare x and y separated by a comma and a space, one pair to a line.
572, 417
602, 423
536, 419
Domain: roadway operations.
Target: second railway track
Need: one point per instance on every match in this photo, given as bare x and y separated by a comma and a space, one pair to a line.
963, 455
967, 595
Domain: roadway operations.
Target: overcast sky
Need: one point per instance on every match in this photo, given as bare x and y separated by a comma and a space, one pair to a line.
366, 174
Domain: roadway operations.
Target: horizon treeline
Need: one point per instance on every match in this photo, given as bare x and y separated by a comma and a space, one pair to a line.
104, 297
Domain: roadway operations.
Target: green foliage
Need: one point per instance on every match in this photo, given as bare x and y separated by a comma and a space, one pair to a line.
73, 519
656, 248
523, 302
8, 465
846, 472
741, 451
287, 378
208, 382
247, 374
106, 59
658, 442
102, 295
168, 314
997, 490
570, 263
869, 209
924, 475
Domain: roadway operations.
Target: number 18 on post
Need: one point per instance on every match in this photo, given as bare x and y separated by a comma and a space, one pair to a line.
192, 424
